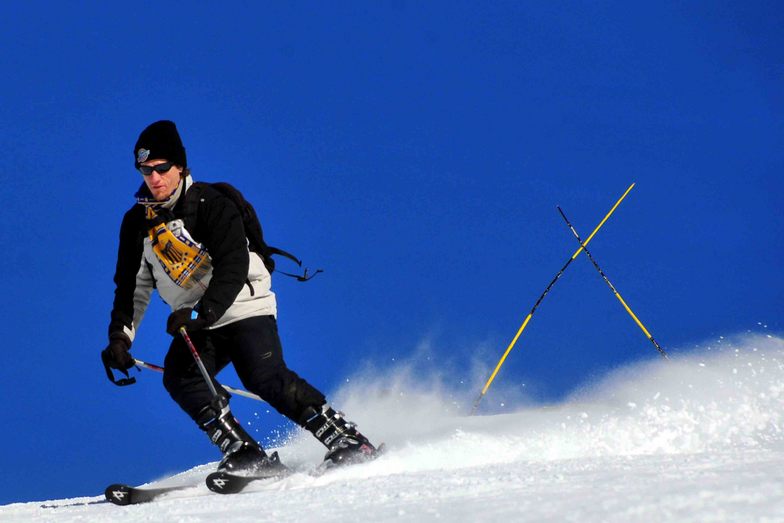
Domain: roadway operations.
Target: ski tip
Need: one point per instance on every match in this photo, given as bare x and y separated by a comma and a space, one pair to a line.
118, 494
225, 483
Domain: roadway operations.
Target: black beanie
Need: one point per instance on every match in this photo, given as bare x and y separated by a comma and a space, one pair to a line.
160, 141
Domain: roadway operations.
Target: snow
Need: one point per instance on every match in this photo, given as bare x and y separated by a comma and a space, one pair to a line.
696, 438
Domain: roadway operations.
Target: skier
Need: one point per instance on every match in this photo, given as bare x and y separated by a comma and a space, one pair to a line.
221, 293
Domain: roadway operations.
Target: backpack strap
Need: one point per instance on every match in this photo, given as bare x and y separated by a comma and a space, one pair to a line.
285, 254
301, 277
188, 204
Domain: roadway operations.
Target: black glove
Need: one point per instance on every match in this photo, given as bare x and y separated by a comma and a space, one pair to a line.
184, 318
116, 355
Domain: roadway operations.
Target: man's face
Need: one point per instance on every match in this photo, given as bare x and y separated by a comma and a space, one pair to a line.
161, 184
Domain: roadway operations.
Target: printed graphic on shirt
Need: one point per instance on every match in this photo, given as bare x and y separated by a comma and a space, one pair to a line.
183, 260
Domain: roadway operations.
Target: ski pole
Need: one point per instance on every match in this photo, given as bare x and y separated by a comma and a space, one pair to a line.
196, 356
612, 287
530, 314
238, 392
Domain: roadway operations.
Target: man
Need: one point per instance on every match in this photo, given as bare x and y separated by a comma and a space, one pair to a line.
188, 241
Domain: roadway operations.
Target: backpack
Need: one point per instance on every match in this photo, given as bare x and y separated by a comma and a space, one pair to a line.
250, 221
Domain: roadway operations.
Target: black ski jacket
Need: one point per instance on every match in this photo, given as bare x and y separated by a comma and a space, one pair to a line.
237, 285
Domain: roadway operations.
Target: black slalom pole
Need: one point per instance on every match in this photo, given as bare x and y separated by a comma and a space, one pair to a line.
613, 289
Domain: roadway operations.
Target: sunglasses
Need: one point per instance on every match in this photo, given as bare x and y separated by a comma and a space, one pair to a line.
160, 168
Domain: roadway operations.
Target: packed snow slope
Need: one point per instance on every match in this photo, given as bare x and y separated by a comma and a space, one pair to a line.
696, 438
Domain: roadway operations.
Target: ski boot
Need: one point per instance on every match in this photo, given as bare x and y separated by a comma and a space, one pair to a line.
345, 444
241, 453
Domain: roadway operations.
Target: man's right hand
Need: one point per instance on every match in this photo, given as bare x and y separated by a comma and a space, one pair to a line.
116, 355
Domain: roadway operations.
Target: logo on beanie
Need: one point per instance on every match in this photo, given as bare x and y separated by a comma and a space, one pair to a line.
142, 155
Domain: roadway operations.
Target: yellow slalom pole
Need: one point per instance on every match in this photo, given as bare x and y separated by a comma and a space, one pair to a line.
585, 243
612, 287
528, 318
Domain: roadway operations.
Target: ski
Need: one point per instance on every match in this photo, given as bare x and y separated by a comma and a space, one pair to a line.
221, 482
75, 504
227, 483
224, 482
328, 465
121, 494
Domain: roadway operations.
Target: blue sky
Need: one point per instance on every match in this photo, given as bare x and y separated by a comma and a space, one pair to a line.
414, 152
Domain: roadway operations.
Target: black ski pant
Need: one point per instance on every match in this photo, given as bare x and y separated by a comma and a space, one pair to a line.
253, 346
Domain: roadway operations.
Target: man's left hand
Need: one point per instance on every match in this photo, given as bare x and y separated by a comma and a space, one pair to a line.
184, 318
